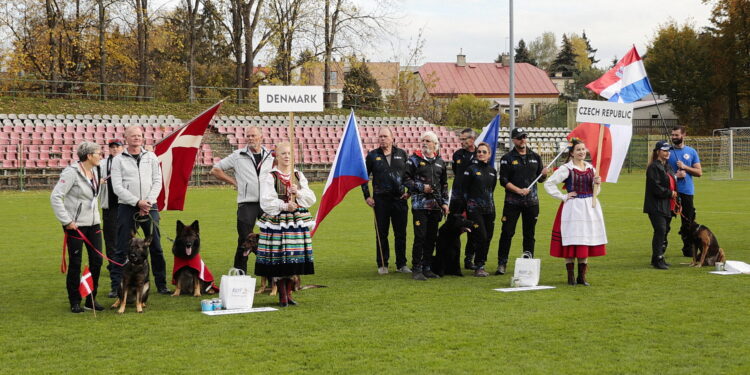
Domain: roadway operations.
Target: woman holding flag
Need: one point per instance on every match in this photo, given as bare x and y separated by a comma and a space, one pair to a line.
75, 204
578, 230
285, 244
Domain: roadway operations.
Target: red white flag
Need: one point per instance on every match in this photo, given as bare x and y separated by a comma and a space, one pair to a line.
87, 283
176, 153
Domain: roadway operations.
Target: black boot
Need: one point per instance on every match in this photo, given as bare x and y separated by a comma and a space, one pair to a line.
571, 273
427, 272
660, 264
582, 270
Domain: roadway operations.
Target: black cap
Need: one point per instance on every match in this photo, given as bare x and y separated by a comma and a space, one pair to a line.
114, 142
518, 133
662, 145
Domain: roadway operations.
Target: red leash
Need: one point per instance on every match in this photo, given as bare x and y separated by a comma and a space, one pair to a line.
64, 266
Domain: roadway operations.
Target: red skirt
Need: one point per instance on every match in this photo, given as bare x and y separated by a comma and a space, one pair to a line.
556, 248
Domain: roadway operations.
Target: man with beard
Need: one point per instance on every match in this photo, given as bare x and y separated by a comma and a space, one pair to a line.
685, 162
387, 165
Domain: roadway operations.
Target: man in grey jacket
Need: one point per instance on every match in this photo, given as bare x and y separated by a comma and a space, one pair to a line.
248, 163
136, 180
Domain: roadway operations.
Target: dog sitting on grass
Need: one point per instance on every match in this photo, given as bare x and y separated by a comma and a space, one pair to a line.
447, 259
706, 250
190, 274
134, 285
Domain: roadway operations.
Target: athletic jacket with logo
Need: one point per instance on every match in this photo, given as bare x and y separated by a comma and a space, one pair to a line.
136, 177
74, 198
247, 172
480, 180
386, 179
521, 170
421, 171
462, 159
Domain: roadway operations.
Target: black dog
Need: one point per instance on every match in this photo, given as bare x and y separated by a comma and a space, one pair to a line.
187, 245
135, 273
447, 259
706, 250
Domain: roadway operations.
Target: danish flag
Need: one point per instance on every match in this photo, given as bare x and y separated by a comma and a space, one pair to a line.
87, 283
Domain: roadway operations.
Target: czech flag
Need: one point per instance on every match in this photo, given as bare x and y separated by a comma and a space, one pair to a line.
626, 82
86, 286
176, 154
348, 171
489, 135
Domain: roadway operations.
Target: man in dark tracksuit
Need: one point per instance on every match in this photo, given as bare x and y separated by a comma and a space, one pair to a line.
387, 165
518, 169
109, 212
427, 180
462, 159
481, 179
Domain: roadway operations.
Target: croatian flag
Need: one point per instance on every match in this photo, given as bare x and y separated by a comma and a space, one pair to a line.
176, 154
348, 171
626, 82
489, 135
86, 286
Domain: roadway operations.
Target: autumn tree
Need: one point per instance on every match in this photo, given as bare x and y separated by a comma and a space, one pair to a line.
565, 61
468, 111
361, 89
543, 50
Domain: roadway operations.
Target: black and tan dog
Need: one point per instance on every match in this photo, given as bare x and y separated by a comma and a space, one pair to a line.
186, 246
447, 259
134, 285
706, 250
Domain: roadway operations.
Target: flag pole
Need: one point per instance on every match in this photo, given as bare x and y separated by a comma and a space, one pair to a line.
291, 144
377, 234
664, 123
598, 162
191, 120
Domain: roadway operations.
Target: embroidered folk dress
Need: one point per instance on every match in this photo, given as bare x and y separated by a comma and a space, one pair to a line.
285, 245
578, 230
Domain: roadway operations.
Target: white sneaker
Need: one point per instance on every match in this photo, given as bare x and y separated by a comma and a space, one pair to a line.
404, 269
382, 270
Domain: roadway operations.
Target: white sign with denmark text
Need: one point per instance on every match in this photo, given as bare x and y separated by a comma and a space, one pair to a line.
290, 98
601, 112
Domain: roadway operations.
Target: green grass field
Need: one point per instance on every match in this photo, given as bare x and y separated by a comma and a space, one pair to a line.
633, 319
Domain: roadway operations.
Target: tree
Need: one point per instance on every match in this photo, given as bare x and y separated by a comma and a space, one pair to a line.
287, 17
581, 58
361, 90
522, 54
591, 52
543, 49
565, 61
468, 111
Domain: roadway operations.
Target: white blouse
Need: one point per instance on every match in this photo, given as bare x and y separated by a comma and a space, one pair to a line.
560, 175
269, 198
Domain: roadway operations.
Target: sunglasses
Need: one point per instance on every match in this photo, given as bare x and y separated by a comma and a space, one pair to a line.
521, 137
482, 152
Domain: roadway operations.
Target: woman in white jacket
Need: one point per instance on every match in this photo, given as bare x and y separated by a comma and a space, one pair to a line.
74, 201
285, 244
578, 230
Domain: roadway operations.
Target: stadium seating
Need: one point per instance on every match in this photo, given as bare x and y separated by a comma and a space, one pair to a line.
49, 140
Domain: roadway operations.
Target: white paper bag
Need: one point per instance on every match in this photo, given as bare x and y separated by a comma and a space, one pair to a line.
237, 290
527, 271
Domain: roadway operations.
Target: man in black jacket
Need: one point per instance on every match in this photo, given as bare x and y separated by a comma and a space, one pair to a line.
518, 169
387, 165
109, 212
462, 159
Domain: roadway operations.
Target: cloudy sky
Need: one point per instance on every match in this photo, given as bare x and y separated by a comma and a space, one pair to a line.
480, 27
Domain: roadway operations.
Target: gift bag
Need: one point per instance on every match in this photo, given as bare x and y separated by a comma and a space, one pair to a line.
237, 290
527, 270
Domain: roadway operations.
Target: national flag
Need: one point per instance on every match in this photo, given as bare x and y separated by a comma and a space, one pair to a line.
626, 82
176, 154
348, 171
489, 135
86, 286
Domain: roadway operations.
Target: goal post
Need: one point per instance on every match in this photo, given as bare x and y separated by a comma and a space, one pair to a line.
731, 154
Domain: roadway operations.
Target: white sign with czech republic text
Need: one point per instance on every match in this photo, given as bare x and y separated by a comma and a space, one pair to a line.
601, 112
290, 98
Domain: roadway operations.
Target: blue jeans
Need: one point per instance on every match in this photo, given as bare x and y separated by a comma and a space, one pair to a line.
126, 225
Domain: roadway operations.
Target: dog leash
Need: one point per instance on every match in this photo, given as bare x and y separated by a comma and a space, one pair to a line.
64, 266
142, 219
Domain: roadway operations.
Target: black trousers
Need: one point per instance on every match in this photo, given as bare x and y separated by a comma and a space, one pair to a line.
126, 224
109, 227
458, 206
75, 258
659, 241
481, 235
247, 214
688, 215
510, 218
425, 237
390, 210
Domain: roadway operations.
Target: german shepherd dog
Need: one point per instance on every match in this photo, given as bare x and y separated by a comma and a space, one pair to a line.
706, 250
187, 245
134, 285
447, 259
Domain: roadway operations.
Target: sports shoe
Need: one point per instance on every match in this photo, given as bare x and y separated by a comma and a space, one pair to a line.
96, 307
382, 270
469, 265
404, 269
660, 264
418, 276
112, 294
430, 275
480, 272
76, 309
500, 270
164, 290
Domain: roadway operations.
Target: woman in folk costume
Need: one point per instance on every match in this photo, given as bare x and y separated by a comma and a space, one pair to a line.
578, 230
285, 245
